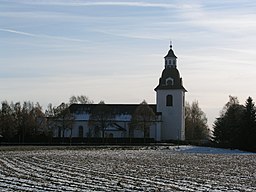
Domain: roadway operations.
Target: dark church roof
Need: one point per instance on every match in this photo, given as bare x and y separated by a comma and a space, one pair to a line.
170, 78
115, 108
170, 73
170, 53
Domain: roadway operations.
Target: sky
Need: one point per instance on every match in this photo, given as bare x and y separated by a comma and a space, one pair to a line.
114, 50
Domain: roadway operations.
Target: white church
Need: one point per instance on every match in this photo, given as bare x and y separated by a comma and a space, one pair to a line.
169, 123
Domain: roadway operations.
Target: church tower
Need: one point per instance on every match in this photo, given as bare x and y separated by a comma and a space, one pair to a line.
170, 99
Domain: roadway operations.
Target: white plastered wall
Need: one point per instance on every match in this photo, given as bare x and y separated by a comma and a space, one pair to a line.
173, 117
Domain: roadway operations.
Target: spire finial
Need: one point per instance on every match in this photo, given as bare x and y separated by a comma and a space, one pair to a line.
171, 44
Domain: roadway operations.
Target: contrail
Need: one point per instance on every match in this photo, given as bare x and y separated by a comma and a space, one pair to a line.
18, 32
100, 3
42, 36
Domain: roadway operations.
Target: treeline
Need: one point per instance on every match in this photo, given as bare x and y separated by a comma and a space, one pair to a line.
236, 126
27, 122
22, 122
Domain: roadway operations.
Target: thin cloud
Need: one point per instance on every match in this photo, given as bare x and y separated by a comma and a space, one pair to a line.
42, 36
18, 32
100, 3
38, 14
219, 20
131, 35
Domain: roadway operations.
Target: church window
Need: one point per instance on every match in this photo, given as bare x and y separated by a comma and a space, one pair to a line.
169, 100
170, 61
80, 131
174, 62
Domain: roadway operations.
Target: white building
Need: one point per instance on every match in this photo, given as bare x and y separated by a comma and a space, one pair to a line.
169, 123
170, 99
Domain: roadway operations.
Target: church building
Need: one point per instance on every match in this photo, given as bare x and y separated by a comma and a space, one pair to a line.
169, 110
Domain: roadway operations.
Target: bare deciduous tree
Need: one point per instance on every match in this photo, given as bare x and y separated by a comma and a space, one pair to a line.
143, 118
80, 99
101, 118
63, 119
195, 122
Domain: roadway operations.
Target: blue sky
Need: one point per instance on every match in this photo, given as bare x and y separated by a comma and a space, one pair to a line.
113, 50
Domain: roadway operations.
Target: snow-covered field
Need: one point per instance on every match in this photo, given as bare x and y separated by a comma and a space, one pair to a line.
183, 168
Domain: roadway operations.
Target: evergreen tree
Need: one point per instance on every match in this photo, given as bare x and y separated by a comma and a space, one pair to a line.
227, 128
248, 130
218, 130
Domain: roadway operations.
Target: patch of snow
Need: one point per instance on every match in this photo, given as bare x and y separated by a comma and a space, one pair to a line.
206, 150
162, 168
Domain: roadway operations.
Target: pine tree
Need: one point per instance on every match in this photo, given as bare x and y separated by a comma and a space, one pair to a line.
227, 128
248, 130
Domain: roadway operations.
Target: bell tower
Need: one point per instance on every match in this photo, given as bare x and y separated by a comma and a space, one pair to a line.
170, 100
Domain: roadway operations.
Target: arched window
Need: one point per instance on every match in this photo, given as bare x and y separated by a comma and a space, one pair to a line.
169, 100
169, 81
80, 131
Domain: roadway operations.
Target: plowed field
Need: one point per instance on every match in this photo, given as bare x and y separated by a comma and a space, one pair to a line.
115, 169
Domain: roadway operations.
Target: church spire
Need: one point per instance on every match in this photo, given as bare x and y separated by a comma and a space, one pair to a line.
170, 58
170, 78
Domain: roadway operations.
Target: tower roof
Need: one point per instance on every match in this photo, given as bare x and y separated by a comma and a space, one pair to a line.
174, 75
170, 78
170, 53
